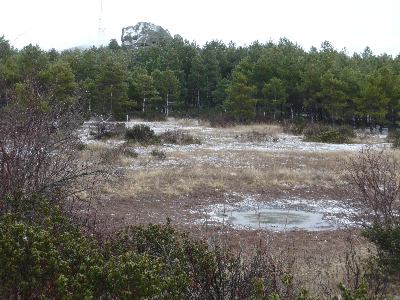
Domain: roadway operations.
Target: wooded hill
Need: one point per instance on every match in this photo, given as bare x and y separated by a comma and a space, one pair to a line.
275, 80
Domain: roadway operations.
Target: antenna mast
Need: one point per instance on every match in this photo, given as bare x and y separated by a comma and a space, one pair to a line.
101, 26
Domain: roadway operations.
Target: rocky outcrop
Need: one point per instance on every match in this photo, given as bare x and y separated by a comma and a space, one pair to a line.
143, 34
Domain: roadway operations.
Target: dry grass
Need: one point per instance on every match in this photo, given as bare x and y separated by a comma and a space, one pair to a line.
181, 173
368, 137
191, 122
266, 129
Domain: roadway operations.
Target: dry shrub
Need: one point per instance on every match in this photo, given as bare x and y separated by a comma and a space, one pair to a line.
295, 126
265, 129
159, 154
192, 123
38, 144
178, 136
372, 187
105, 130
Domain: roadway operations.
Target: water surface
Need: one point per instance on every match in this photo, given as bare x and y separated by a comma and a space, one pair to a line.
279, 219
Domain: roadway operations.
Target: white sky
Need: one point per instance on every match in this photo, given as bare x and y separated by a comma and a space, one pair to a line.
353, 24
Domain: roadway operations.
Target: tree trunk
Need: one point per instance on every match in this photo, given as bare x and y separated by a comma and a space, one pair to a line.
167, 102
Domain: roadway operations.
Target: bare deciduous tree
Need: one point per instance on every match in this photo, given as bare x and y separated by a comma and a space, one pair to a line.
39, 145
372, 186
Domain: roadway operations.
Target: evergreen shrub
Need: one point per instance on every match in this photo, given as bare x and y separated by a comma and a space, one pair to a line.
141, 133
81, 146
326, 134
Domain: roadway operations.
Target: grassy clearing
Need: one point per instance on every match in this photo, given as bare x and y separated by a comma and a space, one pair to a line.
182, 170
189, 175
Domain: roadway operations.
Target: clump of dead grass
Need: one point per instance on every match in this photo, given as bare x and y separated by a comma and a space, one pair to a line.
364, 136
193, 123
265, 129
178, 136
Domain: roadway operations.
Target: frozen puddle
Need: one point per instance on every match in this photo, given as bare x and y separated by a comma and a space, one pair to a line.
277, 219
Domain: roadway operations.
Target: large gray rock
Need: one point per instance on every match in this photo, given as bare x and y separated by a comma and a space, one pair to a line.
143, 34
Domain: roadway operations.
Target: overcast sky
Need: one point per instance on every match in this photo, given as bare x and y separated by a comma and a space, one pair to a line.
353, 24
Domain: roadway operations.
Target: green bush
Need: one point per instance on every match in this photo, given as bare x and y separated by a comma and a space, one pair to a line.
141, 133
42, 254
346, 131
47, 257
326, 134
387, 240
81, 146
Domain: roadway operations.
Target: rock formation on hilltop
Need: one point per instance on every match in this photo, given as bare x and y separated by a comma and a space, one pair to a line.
143, 34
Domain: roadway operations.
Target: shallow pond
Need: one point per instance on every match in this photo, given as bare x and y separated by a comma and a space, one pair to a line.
279, 220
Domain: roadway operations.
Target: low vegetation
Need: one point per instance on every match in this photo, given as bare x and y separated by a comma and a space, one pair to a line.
178, 136
326, 134
145, 135
141, 133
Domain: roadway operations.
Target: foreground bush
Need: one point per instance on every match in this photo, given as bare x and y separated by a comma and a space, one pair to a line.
38, 142
44, 255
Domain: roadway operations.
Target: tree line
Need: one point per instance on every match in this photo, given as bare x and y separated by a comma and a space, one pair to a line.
275, 80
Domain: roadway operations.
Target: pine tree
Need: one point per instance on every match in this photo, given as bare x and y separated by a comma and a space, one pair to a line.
168, 87
144, 85
276, 96
240, 98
